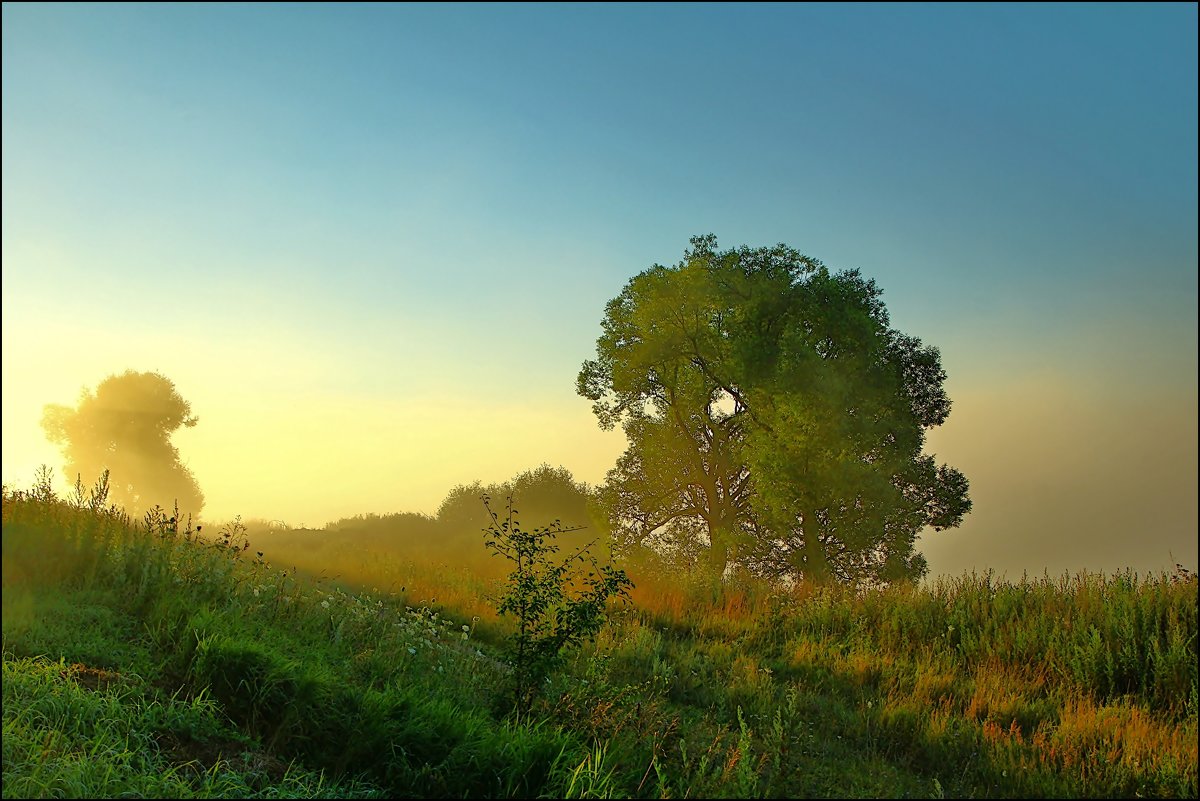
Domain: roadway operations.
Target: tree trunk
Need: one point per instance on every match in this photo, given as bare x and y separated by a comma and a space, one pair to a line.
718, 554
816, 564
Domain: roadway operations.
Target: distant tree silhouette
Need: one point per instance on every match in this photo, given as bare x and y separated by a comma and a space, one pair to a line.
544, 494
125, 426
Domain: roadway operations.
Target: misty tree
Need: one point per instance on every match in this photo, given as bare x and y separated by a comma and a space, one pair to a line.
775, 420
125, 426
545, 493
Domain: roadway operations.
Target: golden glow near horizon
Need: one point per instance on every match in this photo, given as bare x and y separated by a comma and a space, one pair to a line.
276, 442
352, 456
309, 466
1061, 479
1082, 470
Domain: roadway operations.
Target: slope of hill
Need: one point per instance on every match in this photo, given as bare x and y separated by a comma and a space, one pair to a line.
152, 661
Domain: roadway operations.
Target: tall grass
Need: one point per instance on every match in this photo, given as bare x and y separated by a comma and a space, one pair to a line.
143, 657
1075, 685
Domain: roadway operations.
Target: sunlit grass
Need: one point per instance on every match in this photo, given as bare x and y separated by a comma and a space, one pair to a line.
154, 660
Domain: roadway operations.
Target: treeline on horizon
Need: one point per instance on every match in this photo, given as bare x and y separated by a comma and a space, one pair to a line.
359, 549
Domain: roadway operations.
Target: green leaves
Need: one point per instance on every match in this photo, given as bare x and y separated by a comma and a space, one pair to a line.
554, 604
772, 414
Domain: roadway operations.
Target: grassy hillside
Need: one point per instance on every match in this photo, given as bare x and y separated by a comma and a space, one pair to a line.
150, 660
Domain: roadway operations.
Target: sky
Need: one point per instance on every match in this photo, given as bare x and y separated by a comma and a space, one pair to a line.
372, 244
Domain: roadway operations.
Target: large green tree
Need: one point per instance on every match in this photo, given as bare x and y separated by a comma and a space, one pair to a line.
125, 426
775, 420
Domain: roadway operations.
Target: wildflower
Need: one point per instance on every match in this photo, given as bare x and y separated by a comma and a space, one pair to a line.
412, 650
325, 604
256, 592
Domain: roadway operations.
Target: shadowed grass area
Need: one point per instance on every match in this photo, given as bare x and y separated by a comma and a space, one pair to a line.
149, 660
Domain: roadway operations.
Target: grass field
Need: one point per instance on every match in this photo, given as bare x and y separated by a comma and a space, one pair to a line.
149, 660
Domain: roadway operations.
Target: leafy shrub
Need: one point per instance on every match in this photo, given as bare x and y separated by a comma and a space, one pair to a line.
556, 606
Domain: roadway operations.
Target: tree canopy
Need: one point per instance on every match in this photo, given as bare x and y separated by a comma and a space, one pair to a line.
125, 426
776, 421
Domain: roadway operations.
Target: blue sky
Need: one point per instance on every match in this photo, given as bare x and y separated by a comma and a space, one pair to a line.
372, 244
